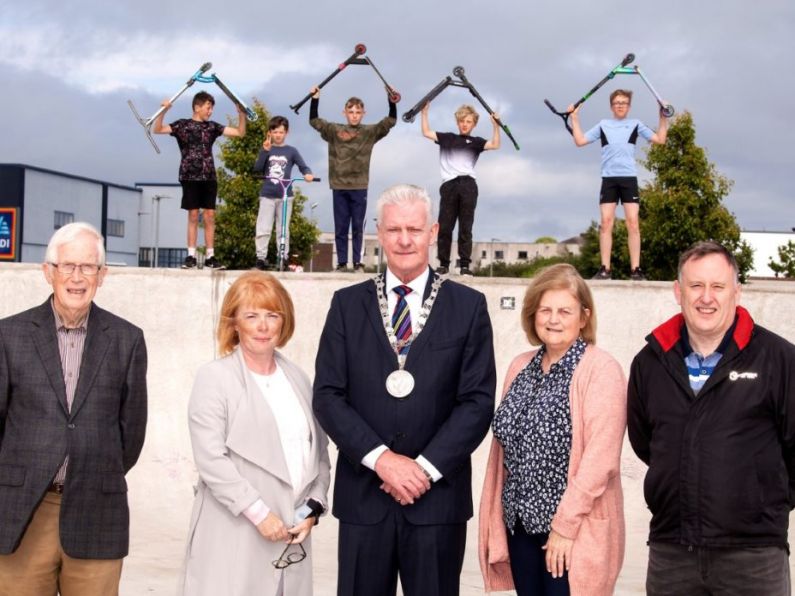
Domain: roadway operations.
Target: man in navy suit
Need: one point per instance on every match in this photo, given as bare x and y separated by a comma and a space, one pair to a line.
72, 424
404, 385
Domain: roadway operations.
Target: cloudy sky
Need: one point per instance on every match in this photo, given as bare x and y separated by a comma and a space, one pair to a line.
69, 67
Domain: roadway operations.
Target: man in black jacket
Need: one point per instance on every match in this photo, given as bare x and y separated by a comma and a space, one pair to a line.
711, 410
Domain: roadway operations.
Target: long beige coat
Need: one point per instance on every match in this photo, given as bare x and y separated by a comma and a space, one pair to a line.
239, 457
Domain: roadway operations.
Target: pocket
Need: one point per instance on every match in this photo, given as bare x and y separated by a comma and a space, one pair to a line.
12, 475
114, 483
595, 553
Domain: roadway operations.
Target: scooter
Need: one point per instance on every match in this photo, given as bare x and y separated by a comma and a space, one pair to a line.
358, 50
464, 82
197, 76
667, 110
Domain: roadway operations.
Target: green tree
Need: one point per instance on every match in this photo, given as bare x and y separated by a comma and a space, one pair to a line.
786, 264
237, 186
545, 240
684, 204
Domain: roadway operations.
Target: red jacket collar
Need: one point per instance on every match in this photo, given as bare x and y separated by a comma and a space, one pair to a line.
669, 333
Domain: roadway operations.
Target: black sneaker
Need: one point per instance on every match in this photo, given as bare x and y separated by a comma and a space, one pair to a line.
342, 268
213, 263
466, 272
189, 262
603, 273
261, 265
442, 270
358, 267
637, 274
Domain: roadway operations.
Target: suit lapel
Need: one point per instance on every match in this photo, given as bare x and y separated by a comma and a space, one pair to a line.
46, 341
373, 310
418, 345
94, 351
253, 433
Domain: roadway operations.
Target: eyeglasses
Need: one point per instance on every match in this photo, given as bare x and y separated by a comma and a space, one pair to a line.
620, 103
283, 562
69, 268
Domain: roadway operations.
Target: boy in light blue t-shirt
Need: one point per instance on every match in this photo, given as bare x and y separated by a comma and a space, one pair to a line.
619, 136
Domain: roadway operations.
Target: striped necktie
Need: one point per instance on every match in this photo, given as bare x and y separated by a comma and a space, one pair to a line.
401, 319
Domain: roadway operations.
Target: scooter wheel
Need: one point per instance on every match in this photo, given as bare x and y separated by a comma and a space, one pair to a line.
458, 71
408, 118
628, 59
668, 110
360, 49
394, 97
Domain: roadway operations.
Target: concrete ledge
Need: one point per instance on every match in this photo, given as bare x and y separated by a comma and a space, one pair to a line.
178, 311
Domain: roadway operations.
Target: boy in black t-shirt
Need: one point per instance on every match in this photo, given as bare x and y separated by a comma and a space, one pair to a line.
195, 137
458, 154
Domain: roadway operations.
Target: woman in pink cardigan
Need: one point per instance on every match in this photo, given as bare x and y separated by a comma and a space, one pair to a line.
552, 511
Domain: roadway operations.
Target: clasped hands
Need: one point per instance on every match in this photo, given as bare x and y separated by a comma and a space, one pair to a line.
403, 478
272, 528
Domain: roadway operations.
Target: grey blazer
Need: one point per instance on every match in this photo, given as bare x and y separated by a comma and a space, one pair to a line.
239, 456
102, 435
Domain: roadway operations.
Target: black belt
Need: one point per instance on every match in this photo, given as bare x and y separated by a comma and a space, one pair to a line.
56, 487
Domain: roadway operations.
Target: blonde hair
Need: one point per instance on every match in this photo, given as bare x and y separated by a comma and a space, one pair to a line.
466, 110
254, 289
558, 277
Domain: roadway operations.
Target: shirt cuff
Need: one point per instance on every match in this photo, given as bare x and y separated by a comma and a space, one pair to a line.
256, 512
370, 459
436, 475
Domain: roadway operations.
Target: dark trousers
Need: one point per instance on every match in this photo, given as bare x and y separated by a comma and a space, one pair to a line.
675, 570
350, 207
528, 567
458, 199
427, 558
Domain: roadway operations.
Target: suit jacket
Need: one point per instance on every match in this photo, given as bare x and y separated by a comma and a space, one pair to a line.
239, 455
444, 418
102, 435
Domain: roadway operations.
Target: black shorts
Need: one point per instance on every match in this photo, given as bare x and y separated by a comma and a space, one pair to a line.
619, 189
199, 194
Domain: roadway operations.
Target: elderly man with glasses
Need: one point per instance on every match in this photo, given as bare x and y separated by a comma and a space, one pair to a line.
72, 424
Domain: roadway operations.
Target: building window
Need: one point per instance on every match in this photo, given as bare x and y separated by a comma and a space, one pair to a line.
166, 257
116, 228
376, 251
499, 255
523, 255
483, 254
62, 218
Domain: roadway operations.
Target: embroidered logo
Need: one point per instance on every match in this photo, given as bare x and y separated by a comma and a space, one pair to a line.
734, 375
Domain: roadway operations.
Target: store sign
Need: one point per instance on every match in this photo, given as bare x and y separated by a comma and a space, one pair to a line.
8, 233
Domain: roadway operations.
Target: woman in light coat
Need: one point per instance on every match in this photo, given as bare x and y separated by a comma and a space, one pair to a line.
262, 459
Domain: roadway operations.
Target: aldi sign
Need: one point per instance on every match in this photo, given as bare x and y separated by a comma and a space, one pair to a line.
8, 233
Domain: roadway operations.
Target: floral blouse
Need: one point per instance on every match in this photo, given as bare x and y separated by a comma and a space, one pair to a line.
533, 425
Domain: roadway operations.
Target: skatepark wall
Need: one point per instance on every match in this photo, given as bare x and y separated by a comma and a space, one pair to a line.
178, 311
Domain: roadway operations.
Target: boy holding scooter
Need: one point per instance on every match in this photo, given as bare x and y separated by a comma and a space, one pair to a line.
458, 154
350, 147
276, 160
195, 137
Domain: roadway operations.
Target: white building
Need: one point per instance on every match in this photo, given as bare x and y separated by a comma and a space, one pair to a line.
765, 245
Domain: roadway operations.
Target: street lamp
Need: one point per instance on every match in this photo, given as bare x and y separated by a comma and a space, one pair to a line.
312, 208
156, 225
491, 261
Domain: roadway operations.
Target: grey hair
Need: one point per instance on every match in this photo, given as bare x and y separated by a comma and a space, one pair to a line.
702, 249
400, 194
69, 233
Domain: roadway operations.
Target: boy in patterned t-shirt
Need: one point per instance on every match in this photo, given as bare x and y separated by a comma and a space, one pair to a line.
458, 154
195, 137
